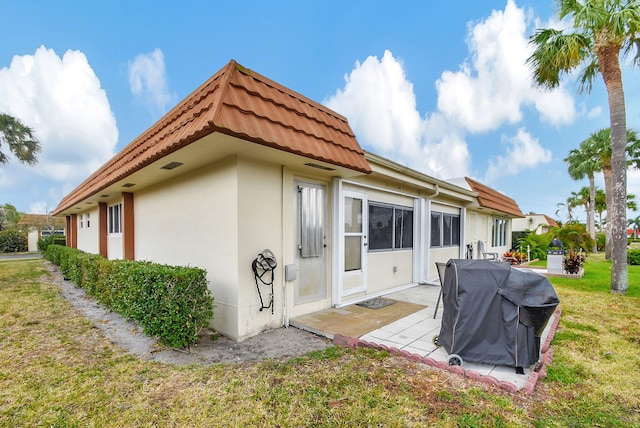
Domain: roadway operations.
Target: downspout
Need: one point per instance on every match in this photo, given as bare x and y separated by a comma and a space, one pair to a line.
436, 191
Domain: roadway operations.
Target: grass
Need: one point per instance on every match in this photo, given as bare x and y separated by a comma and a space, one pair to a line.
57, 370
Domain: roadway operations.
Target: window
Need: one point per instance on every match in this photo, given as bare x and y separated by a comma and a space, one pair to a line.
499, 232
115, 219
445, 229
390, 227
80, 221
88, 220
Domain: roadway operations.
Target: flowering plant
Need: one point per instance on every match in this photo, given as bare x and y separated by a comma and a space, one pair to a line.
573, 262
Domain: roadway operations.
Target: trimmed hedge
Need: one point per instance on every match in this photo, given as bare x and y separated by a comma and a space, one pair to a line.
633, 257
43, 243
169, 302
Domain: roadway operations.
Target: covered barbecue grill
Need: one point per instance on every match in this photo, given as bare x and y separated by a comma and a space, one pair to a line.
493, 313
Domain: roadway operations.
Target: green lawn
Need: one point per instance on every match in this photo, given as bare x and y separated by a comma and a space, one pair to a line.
57, 370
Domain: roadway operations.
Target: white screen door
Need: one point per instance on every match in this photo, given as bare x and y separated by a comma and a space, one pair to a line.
354, 230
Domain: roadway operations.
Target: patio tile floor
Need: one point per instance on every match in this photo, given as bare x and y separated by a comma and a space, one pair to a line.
413, 335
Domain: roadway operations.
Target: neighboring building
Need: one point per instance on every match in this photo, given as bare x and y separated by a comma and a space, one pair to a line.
536, 223
490, 218
244, 164
39, 225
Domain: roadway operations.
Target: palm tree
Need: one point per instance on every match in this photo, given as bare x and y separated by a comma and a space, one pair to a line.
601, 206
598, 148
582, 164
631, 202
20, 139
599, 31
568, 205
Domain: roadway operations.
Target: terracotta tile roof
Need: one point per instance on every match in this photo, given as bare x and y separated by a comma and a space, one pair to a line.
41, 220
551, 221
492, 199
239, 102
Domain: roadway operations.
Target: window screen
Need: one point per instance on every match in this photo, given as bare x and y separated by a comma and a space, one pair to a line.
390, 227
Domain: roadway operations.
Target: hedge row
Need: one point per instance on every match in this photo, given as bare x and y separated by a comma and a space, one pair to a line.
633, 257
45, 241
169, 302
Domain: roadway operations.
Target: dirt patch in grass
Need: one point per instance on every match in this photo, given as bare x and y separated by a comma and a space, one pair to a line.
276, 344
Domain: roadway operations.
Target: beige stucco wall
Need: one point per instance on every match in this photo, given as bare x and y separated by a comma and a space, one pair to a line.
380, 270
535, 223
483, 224
32, 239
260, 213
192, 220
88, 236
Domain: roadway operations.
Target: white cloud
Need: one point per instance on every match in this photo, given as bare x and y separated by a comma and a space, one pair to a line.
148, 81
523, 152
594, 113
381, 105
62, 100
491, 88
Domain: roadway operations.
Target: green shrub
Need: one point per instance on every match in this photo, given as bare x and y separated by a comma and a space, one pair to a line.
574, 236
52, 253
43, 243
13, 241
601, 241
537, 245
169, 302
68, 265
633, 257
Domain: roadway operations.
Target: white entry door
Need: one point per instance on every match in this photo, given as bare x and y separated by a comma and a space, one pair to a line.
311, 252
354, 245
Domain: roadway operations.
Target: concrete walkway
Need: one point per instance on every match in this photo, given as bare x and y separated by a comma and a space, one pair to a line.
19, 256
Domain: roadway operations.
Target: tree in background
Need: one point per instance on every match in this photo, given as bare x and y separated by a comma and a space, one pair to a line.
20, 140
9, 216
598, 146
582, 164
634, 223
599, 31
573, 236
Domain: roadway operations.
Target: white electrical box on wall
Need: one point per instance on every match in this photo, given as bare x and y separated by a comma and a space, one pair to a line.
290, 272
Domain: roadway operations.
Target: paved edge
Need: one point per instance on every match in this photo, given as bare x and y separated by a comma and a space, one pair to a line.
540, 371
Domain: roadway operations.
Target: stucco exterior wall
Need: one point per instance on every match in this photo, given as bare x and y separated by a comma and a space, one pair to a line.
32, 239
534, 223
88, 233
193, 220
260, 214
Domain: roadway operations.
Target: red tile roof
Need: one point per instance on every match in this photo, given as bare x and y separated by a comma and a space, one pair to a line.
239, 102
492, 199
551, 221
40, 220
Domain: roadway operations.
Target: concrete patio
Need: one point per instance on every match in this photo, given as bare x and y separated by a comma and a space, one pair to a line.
407, 327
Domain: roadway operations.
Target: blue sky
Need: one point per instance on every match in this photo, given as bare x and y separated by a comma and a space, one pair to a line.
438, 86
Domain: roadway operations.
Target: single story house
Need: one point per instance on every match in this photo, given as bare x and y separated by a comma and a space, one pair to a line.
40, 225
536, 223
244, 164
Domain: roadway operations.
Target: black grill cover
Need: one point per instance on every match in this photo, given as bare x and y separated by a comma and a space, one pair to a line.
494, 313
